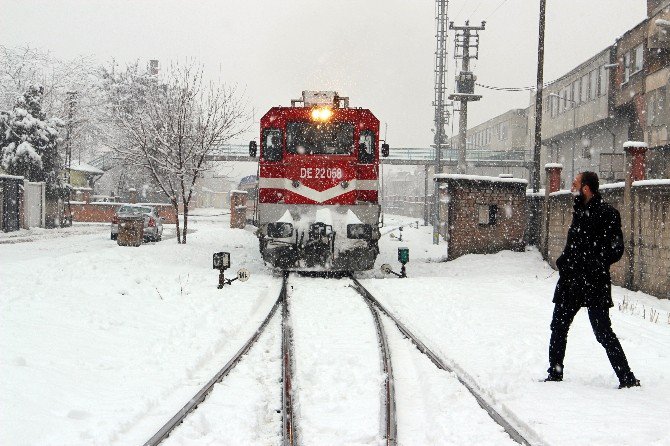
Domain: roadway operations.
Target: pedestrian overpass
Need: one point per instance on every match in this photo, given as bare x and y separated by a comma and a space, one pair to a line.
400, 156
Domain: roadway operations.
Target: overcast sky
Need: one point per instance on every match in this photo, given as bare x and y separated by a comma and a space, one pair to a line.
380, 53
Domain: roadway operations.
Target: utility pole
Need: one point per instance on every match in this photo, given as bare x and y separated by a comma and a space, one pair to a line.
441, 111
71, 104
467, 41
538, 100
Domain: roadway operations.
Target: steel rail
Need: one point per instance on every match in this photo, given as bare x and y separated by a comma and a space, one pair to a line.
389, 423
512, 431
199, 397
288, 430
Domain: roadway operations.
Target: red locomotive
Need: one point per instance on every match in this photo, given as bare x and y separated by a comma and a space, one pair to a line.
318, 184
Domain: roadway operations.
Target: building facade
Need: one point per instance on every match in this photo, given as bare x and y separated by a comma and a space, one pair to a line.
504, 138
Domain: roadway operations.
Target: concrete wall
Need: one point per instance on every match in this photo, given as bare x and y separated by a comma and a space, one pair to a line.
651, 240
650, 236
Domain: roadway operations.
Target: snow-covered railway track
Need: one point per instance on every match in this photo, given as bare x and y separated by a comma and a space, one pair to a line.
509, 423
389, 418
288, 428
202, 394
336, 372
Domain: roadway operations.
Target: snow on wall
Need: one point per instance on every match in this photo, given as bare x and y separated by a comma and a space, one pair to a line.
455, 176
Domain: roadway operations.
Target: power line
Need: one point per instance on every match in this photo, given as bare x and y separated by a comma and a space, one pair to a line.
476, 8
528, 88
496, 9
460, 10
490, 87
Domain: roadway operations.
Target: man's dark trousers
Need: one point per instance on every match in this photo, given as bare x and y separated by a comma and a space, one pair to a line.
564, 313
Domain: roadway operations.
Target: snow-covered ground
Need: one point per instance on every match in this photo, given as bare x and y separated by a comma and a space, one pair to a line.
102, 344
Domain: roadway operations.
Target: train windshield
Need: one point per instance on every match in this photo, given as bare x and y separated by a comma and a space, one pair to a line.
332, 138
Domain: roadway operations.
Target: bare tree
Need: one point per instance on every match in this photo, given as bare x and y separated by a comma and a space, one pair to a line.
174, 125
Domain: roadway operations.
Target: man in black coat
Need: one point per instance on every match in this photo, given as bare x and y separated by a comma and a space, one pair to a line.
595, 242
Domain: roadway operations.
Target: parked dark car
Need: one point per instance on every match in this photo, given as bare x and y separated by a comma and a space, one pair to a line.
153, 223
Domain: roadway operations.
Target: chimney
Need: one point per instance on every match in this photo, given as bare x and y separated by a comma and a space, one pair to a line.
553, 171
636, 153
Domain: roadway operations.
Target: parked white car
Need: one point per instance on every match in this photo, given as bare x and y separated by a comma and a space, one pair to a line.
153, 223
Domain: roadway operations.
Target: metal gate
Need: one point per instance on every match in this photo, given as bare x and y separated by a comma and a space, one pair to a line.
34, 197
10, 202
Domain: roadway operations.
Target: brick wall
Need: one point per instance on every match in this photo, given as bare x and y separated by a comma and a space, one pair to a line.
103, 212
463, 201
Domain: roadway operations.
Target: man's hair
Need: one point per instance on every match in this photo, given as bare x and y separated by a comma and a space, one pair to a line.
590, 179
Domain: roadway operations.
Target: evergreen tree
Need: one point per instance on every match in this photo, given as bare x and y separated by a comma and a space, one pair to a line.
28, 140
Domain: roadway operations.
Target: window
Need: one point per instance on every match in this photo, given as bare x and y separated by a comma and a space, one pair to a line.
554, 106
569, 102
593, 88
585, 89
366, 147
638, 58
656, 111
502, 128
328, 138
612, 166
487, 214
271, 145
561, 102
626, 67
575, 91
134, 210
604, 80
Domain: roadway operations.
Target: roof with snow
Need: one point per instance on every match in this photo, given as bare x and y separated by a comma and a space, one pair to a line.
86, 168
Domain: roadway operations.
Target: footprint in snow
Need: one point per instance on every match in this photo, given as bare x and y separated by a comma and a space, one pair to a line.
76, 414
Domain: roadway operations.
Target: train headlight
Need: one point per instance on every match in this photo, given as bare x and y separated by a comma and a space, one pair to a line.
321, 114
280, 230
359, 231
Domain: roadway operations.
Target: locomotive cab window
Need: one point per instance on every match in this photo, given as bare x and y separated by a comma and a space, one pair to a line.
272, 145
306, 138
366, 147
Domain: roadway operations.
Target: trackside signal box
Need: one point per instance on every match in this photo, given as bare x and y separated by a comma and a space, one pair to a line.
403, 255
221, 260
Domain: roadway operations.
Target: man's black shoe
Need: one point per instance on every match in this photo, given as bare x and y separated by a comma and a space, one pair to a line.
554, 378
555, 373
629, 383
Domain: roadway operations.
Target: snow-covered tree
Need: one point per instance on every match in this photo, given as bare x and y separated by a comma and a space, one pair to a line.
29, 141
171, 125
89, 122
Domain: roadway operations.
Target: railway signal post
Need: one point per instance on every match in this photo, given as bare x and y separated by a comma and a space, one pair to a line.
221, 261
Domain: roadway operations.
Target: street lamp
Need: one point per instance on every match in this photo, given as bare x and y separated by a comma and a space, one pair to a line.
574, 128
